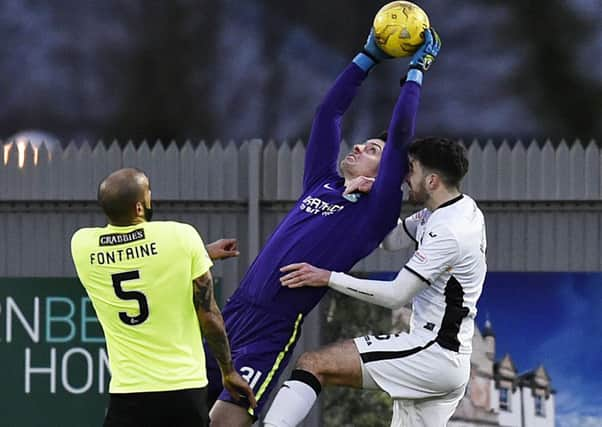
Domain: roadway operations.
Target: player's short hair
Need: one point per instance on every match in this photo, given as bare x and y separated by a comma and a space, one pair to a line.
118, 194
382, 136
442, 155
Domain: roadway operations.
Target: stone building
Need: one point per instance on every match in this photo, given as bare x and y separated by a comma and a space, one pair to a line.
498, 395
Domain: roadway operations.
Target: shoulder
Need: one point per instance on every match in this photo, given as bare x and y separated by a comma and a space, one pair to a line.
456, 210
472, 207
171, 227
186, 229
85, 235
465, 215
457, 220
468, 202
186, 234
84, 241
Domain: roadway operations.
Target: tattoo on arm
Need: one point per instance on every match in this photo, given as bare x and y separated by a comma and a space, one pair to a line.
203, 292
211, 321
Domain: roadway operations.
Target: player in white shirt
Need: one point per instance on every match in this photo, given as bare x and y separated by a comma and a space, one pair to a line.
426, 370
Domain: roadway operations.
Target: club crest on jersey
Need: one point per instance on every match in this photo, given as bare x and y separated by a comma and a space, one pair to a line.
316, 206
352, 197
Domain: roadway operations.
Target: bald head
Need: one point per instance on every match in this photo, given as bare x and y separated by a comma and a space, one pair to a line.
123, 195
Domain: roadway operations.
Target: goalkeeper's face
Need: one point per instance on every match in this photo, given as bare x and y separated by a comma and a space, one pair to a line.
363, 160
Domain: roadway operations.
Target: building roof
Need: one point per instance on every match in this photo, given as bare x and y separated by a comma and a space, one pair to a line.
488, 330
537, 378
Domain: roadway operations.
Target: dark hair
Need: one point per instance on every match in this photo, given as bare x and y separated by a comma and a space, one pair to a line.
382, 136
118, 194
442, 155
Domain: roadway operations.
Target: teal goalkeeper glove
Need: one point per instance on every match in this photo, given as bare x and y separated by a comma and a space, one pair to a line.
426, 54
371, 54
371, 48
424, 57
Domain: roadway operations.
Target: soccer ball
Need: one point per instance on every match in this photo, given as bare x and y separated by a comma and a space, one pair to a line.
399, 28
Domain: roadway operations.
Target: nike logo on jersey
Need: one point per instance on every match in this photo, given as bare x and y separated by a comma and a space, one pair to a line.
328, 187
432, 234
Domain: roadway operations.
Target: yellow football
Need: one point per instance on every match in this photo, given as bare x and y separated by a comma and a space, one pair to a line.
399, 28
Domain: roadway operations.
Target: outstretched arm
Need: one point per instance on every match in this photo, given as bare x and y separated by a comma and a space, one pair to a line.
391, 294
222, 249
214, 331
324, 141
394, 164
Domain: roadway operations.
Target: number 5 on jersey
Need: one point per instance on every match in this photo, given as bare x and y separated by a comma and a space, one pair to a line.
118, 278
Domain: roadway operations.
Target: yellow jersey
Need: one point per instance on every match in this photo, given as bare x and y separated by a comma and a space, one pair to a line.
139, 280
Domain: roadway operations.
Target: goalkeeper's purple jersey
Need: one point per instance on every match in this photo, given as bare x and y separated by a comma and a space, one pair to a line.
323, 228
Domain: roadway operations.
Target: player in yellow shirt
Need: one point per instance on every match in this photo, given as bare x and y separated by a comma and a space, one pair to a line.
151, 286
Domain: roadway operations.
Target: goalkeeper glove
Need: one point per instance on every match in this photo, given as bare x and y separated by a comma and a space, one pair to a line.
371, 54
372, 49
424, 57
426, 54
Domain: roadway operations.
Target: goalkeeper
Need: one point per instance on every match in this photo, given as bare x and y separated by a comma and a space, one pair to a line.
325, 227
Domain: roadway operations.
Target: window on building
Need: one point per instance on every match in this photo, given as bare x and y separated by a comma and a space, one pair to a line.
505, 399
540, 406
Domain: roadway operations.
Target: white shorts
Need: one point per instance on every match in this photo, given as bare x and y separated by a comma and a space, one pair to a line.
425, 381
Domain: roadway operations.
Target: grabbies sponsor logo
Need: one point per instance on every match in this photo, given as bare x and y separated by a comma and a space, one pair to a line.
121, 238
420, 257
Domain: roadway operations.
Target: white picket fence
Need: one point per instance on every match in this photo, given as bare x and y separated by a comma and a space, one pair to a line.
541, 202
222, 171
